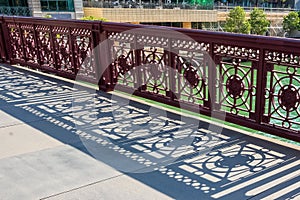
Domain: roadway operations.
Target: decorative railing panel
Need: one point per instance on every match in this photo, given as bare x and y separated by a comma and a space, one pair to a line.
237, 68
254, 80
146, 61
59, 48
29, 43
192, 81
122, 53
282, 95
15, 42
45, 45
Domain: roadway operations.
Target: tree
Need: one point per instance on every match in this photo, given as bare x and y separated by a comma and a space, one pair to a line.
258, 22
291, 22
236, 21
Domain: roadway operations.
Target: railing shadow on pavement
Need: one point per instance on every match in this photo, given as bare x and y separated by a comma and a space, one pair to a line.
176, 155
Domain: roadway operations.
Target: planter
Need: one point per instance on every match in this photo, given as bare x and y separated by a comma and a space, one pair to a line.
294, 34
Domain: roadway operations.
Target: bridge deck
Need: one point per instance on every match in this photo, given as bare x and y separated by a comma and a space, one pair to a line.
64, 141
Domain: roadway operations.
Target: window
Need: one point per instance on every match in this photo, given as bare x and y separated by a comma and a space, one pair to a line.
57, 5
14, 3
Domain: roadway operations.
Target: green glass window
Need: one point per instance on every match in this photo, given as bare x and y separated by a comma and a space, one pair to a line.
14, 3
57, 5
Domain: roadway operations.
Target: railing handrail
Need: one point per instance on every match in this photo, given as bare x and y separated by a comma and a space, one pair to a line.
192, 6
252, 40
250, 8
146, 5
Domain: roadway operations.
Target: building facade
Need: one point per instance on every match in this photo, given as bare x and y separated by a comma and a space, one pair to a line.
59, 9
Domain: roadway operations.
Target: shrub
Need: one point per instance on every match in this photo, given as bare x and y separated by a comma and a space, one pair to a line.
291, 21
92, 18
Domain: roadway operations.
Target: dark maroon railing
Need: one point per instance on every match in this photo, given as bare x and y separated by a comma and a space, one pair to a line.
253, 80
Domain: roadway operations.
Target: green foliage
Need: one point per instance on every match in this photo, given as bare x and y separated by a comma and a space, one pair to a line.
258, 21
291, 22
236, 21
92, 18
48, 16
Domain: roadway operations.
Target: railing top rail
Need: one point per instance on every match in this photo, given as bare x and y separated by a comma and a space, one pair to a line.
249, 8
53, 22
254, 41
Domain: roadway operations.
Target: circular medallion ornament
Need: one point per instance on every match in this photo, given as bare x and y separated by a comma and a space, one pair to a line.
191, 75
156, 71
235, 86
123, 65
288, 97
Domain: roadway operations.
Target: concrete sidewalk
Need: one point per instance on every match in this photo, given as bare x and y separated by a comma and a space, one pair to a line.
60, 141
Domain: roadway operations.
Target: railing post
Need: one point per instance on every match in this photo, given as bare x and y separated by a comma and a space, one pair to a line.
96, 28
73, 54
102, 54
3, 47
172, 89
7, 41
261, 85
35, 36
212, 75
53, 47
140, 84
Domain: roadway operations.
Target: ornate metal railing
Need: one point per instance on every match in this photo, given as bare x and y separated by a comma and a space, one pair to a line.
17, 11
209, 5
267, 7
206, 5
254, 80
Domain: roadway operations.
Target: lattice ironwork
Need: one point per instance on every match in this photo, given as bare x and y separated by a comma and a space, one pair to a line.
60, 48
83, 56
149, 66
236, 83
282, 99
137, 65
192, 78
29, 43
237, 52
190, 45
153, 40
15, 41
121, 37
123, 57
45, 47
155, 76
